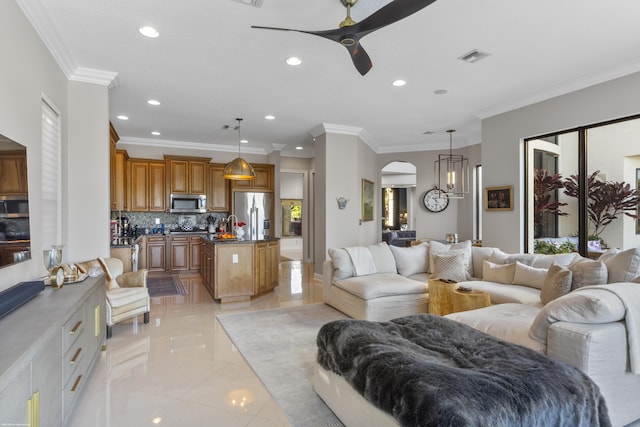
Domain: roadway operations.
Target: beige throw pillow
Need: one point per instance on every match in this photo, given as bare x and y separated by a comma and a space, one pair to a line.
341, 263
449, 265
587, 272
411, 260
465, 247
498, 273
529, 276
622, 266
556, 284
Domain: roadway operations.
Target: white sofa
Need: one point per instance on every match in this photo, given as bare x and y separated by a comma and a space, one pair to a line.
592, 323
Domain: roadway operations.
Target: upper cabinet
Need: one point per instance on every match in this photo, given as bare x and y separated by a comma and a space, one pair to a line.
218, 194
13, 173
262, 182
147, 189
186, 175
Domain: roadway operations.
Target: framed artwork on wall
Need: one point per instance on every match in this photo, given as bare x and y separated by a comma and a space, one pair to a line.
367, 200
498, 198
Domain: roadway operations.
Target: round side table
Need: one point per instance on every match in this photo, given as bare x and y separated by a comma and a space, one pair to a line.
440, 297
463, 301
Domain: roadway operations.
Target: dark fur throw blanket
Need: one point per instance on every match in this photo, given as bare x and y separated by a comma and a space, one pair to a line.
427, 370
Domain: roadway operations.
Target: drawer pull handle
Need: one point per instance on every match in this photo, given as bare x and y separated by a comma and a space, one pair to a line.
75, 328
75, 356
76, 384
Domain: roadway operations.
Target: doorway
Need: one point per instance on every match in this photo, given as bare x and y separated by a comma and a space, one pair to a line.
293, 212
398, 196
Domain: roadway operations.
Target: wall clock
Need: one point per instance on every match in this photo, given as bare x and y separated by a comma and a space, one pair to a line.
435, 200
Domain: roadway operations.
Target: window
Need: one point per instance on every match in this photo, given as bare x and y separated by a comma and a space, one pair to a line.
51, 217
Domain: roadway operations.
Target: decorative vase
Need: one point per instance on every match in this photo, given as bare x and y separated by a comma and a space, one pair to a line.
239, 232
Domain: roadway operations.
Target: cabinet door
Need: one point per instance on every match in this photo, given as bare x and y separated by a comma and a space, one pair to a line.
139, 185
156, 254
15, 399
194, 253
179, 176
262, 264
180, 253
218, 190
233, 271
157, 182
262, 182
13, 179
46, 381
197, 174
274, 268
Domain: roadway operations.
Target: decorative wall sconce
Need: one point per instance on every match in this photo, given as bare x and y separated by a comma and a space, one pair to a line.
342, 202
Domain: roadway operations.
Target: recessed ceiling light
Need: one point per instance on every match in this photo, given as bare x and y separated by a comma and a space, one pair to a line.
121, 117
440, 91
399, 82
299, 148
244, 141
149, 32
156, 133
294, 61
153, 102
270, 117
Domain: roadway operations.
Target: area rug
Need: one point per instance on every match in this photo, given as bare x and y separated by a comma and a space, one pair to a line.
280, 347
163, 285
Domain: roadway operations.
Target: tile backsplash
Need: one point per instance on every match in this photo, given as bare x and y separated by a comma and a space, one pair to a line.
147, 220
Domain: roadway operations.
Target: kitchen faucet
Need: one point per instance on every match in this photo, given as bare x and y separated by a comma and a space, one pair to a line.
229, 220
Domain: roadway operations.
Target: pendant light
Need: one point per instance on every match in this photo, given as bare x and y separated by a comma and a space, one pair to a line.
451, 172
238, 168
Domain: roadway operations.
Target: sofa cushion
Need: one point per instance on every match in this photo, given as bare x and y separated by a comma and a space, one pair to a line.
411, 260
383, 258
545, 261
479, 254
587, 272
362, 260
501, 293
529, 276
622, 266
437, 247
556, 284
585, 306
450, 265
499, 257
500, 273
381, 285
341, 263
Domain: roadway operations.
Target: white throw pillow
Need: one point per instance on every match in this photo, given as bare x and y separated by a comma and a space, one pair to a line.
529, 276
449, 265
498, 273
556, 284
383, 258
622, 266
545, 261
341, 263
587, 272
437, 247
479, 254
411, 260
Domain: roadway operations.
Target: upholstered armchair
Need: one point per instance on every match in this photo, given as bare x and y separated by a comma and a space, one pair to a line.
127, 293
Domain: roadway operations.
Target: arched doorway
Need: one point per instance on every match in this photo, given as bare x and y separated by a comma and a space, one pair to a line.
398, 182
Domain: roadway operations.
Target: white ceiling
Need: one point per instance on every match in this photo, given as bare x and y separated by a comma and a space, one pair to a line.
209, 67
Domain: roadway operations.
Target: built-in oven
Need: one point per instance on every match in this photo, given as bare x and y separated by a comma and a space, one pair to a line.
188, 203
14, 207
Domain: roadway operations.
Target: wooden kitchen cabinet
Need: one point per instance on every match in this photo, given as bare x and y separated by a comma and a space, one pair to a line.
13, 173
119, 190
262, 182
157, 182
155, 252
113, 140
233, 276
139, 178
218, 189
207, 265
194, 252
187, 175
179, 253
267, 264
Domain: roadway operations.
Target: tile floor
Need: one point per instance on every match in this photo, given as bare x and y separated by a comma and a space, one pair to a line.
181, 369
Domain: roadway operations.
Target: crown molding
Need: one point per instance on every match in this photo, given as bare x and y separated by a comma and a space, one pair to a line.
344, 130
92, 75
186, 145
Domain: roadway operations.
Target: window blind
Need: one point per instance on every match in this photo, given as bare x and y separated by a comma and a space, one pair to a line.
51, 208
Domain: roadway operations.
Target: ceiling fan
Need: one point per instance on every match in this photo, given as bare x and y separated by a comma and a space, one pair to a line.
350, 32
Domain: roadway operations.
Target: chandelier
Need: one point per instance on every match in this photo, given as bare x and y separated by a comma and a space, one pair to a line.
451, 172
238, 168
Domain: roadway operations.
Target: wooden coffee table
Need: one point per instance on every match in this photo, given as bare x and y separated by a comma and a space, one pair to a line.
440, 297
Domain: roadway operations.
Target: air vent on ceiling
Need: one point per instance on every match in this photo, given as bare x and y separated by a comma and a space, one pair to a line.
254, 3
473, 56
428, 132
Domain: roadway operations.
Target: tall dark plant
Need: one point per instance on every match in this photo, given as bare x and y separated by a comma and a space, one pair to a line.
544, 188
605, 200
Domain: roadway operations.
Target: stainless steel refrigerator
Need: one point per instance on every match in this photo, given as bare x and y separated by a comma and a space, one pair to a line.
254, 209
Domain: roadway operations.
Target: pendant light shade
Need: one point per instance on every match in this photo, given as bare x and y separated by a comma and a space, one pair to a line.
451, 172
238, 168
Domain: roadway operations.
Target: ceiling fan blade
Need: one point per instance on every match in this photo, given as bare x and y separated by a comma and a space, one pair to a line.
388, 14
360, 58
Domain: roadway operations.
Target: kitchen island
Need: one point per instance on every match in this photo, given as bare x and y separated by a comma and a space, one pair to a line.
237, 270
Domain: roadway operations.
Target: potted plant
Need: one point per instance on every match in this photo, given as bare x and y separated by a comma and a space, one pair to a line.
544, 189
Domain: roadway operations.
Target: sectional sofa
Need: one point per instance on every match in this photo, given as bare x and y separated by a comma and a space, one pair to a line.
576, 310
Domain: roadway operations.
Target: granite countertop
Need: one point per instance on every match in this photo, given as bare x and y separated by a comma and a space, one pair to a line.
212, 239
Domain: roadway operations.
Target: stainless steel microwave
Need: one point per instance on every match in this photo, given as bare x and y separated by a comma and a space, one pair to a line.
14, 207
188, 203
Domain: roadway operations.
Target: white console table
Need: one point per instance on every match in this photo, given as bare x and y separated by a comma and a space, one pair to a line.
49, 346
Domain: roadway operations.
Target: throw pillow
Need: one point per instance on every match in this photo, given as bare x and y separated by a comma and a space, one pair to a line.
498, 273
437, 247
362, 260
556, 284
479, 254
449, 265
341, 263
411, 260
622, 266
383, 258
134, 279
587, 272
529, 276
545, 261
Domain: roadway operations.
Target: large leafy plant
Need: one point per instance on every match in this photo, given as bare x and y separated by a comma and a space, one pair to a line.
605, 200
544, 189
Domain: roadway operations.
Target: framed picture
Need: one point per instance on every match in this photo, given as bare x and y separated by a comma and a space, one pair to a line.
498, 198
638, 207
367, 200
